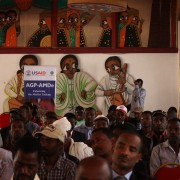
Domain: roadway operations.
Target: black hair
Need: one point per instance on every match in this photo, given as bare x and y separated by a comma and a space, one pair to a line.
70, 115
90, 108
134, 132
15, 111
18, 119
68, 57
16, 114
29, 144
94, 160
172, 109
29, 56
140, 80
28, 109
174, 120
147, 112
112, 107
51, 115
79, 108
29, 104
125, 127
116, 58
105, 131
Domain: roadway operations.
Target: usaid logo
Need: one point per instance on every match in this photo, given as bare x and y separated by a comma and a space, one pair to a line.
39, 73
28, 73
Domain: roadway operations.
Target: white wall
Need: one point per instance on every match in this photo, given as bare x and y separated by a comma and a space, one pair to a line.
159, 72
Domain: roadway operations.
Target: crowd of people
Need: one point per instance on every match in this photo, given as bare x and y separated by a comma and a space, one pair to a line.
85, 145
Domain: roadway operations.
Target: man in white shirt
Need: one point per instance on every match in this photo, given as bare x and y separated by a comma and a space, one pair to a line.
168, 151
138, 96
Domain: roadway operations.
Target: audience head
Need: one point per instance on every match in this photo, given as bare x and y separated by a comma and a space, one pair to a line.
146, 122
72, 119
90, 114
159, 121
101, 121
53, 136
127, 152
26, 113
102, 143
79, 113
122, 127
50, 117
173, 131
27, 158
93, 168
121, 114
112, 114
15, 113
138, 112
171, 113
17, 129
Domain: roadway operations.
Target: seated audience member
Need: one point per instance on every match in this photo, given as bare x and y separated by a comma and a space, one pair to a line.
101, 121
35, 115
33, 112
79, 113
146, 134
64, 140
26, 113
17, 131
159, 127
50, 117
27, 159
102, 143
172, 113
122, 127
72, 119
127, 152
140, 166
76, 135
93, 167
53, 165
6, 164
112, 114
136, 120
169, 150
121, 114
87, 128
77, 149
14, 113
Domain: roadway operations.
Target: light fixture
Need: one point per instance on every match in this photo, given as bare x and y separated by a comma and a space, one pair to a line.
98, 5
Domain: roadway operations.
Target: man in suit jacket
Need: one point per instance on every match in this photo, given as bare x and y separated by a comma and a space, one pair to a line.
127, 152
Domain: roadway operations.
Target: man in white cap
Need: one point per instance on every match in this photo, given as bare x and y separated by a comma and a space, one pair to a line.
77, 149
121, 114
101, 121
53, 165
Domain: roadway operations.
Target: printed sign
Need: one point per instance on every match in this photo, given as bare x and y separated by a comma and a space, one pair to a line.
39, 82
